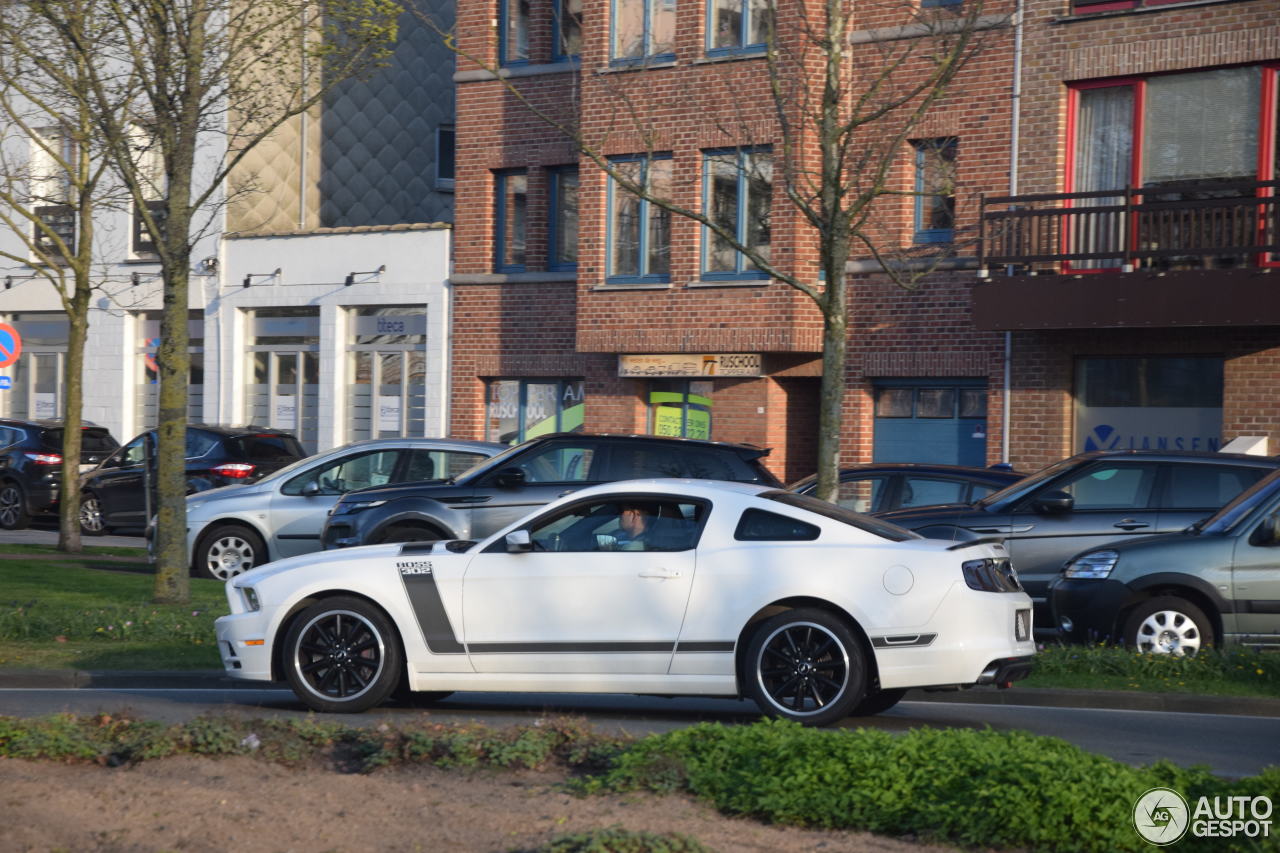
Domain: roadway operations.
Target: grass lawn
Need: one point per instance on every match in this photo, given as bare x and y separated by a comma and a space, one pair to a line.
83, 613
1230, 671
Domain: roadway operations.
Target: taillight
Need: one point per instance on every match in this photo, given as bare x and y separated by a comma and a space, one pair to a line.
44, 458
235, 470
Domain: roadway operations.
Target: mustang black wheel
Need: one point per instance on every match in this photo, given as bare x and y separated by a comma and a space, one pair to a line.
342, 655
805, 665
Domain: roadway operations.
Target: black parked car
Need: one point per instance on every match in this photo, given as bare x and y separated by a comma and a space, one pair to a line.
31, 466
1176, 594
503, 489
882, 486
1091, 500
112, 495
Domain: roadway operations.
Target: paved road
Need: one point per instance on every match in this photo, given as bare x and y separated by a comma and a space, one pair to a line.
45, 532
1229, 745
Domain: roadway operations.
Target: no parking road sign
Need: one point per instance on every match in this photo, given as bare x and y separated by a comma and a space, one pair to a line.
10, 345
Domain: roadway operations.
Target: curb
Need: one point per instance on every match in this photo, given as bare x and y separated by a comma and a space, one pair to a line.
1042, 697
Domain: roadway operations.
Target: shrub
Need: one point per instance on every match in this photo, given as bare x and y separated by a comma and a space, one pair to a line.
618, 840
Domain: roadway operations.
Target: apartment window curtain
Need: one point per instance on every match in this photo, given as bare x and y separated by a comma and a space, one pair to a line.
1202, 126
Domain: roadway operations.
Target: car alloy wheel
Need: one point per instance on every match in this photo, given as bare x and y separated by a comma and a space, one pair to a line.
228, 551
341, 655
13, 510
91, 516
1168, 626
805, 665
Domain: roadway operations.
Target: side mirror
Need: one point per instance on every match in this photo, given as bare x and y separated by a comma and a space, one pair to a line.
509, 478
1055, 501
311, 489
518, 542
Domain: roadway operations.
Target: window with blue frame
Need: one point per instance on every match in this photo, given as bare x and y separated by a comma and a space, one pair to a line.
568, 27
639, 231
511, 192
520, 409
563, 237
735, 26
643, 29
935, 190
737, 195
513, 47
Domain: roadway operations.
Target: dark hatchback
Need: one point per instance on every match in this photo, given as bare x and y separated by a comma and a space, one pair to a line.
882, 486
1217, 580
31, 466
1091, 500
113, 494
505, 488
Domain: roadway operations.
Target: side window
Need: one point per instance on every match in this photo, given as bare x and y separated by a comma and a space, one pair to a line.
437, 464
860, 495
8, 436
922, 491
1107, 486
347, 474
559, 463
758, 525
1206, 487
631, 462
199, 443
641, 524
132, 453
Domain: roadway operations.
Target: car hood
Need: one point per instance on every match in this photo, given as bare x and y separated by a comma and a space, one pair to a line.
225, 493
1168, 552
917, 516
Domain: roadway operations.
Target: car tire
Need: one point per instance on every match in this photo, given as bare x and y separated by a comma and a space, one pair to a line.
342, 655
805, 665
408, 533
13, 507
91, 523
877, 702
228, 550
1168, 625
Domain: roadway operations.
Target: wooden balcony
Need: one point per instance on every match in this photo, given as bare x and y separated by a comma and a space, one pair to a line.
1195, 254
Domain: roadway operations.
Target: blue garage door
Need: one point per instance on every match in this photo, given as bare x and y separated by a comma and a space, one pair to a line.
931, 420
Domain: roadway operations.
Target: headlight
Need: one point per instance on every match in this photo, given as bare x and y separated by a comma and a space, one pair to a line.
1097, 564
250, 596
990, 575
356, 506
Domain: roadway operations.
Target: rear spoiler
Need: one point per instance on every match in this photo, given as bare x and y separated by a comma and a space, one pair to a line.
986, 540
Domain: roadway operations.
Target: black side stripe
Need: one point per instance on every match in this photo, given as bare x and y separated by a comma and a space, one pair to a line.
903, 641
705, 647
433, 621
567, 648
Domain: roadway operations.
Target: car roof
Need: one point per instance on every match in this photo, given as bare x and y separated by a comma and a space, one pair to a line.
671, 487
1181, 456
491, 447
47, 423
754, 449
990, 475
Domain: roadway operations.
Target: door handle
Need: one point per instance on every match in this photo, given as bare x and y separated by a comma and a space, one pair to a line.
662, 574
1130, 524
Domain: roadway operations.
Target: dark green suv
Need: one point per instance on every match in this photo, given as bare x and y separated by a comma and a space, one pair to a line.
1217, 580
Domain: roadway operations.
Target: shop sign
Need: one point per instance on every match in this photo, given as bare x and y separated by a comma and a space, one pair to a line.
678, 365
391, 324
1148, 428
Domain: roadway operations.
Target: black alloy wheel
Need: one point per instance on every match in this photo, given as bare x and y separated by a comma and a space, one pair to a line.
13, 507
805, 665
342, 655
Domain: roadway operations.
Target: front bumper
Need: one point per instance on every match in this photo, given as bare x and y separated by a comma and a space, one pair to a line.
243, 643
1087, 610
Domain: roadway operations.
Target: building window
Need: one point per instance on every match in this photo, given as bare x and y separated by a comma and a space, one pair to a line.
282, 372
568, 27
680, 407
445, 147
52, 153
737, 25
1149, 403
147, 369
513, 47
149, 167
520, 409
563, 239
643, 29
639, 231
387, 378
510, 212
738, 193
935, 190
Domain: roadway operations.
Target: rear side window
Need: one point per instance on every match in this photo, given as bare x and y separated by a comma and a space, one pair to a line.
9, 436
758, 525
925, 491
1206, 486
859, 495
97, 441
265, 447
199, 443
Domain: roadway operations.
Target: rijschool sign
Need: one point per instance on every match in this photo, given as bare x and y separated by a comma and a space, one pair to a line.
689, 365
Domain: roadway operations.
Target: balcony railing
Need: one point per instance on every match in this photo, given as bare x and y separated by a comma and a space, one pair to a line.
1202, 225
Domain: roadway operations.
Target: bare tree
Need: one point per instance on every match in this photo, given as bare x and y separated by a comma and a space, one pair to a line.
53, 183
206, 81
840, 119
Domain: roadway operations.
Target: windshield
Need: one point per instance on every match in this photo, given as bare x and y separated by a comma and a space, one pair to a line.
1027, 484
874, 526
1222, 521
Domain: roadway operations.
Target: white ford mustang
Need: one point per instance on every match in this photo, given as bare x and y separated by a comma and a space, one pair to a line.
673, 587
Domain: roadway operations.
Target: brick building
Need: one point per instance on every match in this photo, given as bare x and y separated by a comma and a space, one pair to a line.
577, 305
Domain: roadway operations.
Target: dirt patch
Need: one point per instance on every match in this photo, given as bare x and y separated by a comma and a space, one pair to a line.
196, 804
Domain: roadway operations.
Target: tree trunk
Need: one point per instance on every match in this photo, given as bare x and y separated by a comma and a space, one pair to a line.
72, 417
835, 343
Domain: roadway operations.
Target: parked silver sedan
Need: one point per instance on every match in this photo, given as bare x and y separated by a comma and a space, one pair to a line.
231, 530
